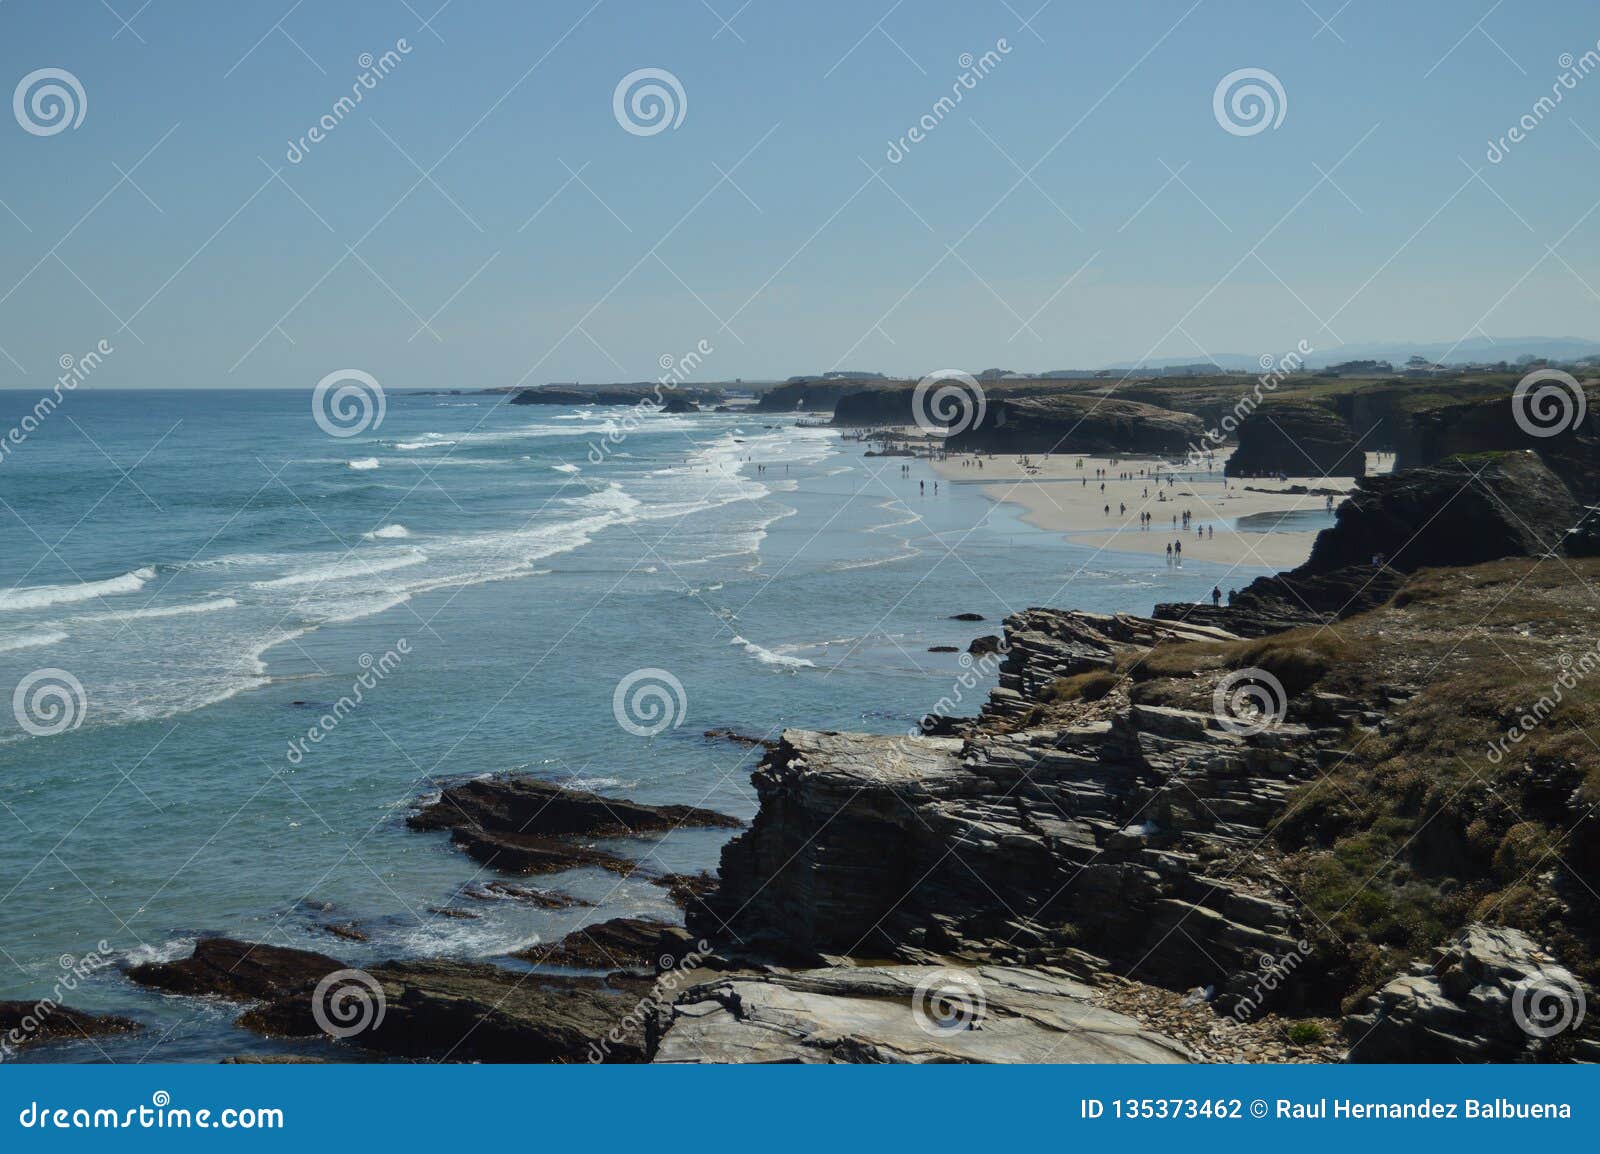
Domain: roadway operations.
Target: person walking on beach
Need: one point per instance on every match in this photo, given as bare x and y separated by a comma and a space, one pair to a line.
922, 486
1177, 552
1216, 596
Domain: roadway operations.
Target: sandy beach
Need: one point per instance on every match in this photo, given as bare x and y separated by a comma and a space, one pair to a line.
1063, 493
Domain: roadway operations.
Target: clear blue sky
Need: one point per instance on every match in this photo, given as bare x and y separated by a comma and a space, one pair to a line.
802, 260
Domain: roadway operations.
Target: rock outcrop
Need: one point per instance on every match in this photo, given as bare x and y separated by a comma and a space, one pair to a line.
1491, 996
26, 1023
1462, 511
1298, 438
528, 826
443, 1010
903, 1014
579, 396
1019, 847
1072, 423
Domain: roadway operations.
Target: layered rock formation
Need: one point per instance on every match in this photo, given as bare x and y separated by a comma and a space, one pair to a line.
1022, 847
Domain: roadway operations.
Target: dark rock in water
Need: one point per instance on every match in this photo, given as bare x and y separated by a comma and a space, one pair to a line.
678, 404
966, 616
902, 1014
525, 805
506, 891
685, 889
985, 645
24, 1023
651, 395
453, 913
349, 931
1297, 438
617, 944
727, 734
943, 649
521, 854
518, 824
239, 970
1491, 996
461, 1011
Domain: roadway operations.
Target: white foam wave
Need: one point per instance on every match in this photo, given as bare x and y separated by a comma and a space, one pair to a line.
768, 657
344, 570
364, 463
31, 640
212, 606
42, 596
387, 533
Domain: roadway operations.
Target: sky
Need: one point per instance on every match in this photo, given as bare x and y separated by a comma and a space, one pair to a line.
485, 217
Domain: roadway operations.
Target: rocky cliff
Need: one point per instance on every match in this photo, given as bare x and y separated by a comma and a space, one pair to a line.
1070, 423
1297, 438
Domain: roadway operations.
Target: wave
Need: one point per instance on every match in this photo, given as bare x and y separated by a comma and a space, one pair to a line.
364, 463
428, 441
42, 596
564, 468
768, 657
387, 533
213, 606
31, 640
342, 570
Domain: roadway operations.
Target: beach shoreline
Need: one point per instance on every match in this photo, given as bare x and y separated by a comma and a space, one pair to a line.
1070, 494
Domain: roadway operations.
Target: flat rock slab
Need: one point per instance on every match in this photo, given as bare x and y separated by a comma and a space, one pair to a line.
904, 1014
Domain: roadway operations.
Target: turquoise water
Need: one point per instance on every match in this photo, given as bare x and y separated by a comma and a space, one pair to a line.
216, 571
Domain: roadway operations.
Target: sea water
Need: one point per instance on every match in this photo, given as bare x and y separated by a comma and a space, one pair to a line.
217, 572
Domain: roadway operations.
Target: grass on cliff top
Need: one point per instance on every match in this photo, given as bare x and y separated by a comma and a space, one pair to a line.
1440, 819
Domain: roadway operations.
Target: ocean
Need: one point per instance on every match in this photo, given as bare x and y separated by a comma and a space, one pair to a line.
194, 582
